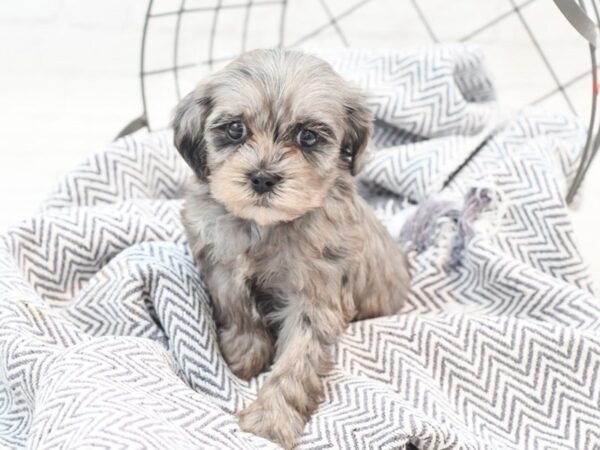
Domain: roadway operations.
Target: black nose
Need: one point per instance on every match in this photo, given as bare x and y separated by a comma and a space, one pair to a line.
263, 182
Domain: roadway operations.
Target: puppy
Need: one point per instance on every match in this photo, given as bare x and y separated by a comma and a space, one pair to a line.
288, 249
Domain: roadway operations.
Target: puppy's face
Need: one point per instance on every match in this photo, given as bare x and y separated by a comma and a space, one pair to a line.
271, 133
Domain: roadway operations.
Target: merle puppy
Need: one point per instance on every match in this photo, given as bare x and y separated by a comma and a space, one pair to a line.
288, 249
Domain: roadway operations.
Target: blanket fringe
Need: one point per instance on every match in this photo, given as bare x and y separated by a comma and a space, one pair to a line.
422, 229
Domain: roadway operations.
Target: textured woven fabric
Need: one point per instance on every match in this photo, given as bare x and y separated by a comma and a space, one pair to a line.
106, 331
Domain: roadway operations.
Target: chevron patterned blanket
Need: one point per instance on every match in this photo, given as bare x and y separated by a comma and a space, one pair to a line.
106, 331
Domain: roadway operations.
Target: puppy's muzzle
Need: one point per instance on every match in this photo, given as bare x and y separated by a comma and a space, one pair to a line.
263, 182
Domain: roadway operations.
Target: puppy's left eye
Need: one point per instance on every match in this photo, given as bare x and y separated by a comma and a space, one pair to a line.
306, 138
236, 131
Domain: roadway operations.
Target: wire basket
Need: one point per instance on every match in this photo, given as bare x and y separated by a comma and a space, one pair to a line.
184, 41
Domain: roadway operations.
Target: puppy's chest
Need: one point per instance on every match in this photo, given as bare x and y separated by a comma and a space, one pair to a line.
278, 270
285, 264
273, 261
282, 260
259, 253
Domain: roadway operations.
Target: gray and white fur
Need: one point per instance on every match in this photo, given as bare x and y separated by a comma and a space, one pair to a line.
288, 249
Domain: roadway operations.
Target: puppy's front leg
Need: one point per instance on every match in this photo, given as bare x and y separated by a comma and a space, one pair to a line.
243, 339
294, 390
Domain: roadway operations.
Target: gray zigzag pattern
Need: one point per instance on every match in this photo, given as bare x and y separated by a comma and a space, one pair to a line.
106, 331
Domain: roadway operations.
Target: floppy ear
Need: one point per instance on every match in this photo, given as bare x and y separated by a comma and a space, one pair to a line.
188, 126
359, 125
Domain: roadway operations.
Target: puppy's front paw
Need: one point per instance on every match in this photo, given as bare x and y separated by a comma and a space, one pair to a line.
276, 422
248, 353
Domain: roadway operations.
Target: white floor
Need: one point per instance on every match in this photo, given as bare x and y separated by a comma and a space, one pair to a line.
69, 80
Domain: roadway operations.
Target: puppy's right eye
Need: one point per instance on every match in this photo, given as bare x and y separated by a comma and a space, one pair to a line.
236, 131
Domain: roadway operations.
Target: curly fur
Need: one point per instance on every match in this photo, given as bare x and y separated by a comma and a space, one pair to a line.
289, 269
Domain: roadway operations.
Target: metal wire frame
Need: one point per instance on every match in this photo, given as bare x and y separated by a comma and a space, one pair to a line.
591, 148
593, 137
